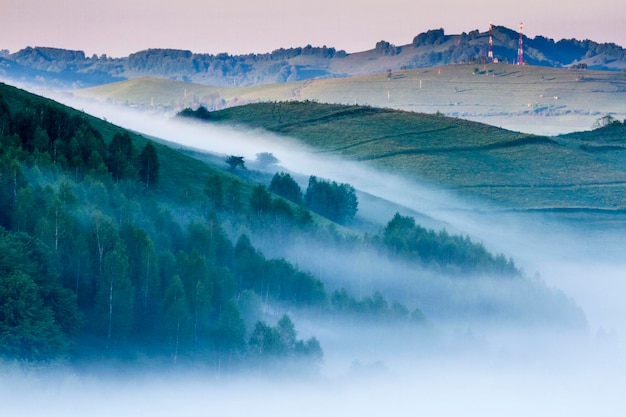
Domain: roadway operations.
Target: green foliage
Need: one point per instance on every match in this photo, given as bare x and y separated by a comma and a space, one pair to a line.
275, 278
309, 349
285, 186
280, 341
38, 318
231, 330
12, 179
260, 200
338, 202
149, 166
373, 306
156, 273
110, 270
276, 215
52, 135
177, 317
27, 326
5, 118
121, 155
201, 113
265, 341
402, 237
214, 190
115, 297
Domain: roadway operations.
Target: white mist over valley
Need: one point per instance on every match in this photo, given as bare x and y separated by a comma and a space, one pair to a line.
462, 363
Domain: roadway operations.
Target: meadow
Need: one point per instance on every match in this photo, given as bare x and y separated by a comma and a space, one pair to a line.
576, 172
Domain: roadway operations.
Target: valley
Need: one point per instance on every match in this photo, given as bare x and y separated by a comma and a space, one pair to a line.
547, 202
428, 223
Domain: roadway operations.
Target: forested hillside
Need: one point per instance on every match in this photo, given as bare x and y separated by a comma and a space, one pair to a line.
113, 246
95, 262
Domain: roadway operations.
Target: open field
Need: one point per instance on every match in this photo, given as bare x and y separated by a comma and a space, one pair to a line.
529, 99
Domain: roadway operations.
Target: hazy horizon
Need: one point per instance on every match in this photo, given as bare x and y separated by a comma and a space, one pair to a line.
118, 28
459, 366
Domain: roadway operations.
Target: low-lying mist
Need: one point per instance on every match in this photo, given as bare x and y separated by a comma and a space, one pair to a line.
551, 343
454, 385
557, 253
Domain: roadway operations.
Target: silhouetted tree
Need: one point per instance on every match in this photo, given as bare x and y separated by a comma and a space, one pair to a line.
605, 121
235, 161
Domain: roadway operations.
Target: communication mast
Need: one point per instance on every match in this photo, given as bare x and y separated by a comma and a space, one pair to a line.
490, 53
520, 50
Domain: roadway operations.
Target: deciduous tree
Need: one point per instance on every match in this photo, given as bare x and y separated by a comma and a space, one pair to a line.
285, 186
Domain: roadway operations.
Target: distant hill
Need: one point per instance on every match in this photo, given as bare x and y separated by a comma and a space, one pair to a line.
431, 48
527, 98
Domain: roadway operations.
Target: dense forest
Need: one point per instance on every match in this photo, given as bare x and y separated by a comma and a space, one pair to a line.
91, 264
100, 259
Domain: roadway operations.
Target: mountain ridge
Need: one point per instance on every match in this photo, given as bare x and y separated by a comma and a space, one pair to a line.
427, 49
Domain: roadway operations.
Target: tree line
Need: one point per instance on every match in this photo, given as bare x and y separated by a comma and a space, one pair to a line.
48, 134
401, 237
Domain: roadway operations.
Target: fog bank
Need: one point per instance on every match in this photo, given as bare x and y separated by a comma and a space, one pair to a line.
452, 388
460, 365
584, 263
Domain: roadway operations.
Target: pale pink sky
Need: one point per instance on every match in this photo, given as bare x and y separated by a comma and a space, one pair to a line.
120, 27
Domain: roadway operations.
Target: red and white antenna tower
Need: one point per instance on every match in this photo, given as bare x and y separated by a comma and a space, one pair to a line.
490, 53
520, 50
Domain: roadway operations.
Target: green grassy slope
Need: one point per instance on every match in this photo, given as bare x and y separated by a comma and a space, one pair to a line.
517, 170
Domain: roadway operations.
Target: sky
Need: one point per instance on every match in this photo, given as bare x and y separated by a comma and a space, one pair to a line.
120, 27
